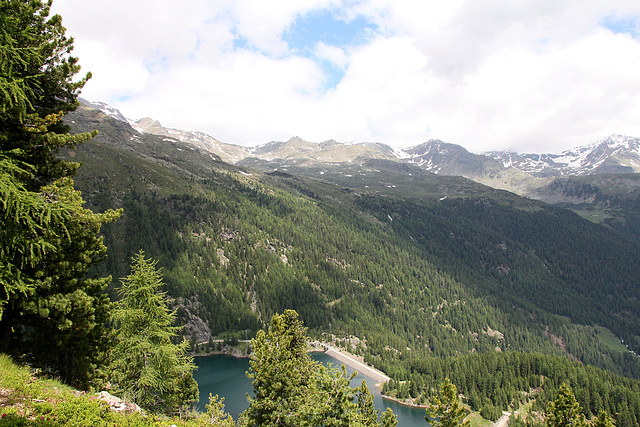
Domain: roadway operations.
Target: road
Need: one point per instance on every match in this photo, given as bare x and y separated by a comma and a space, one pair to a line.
503, 421
349, 360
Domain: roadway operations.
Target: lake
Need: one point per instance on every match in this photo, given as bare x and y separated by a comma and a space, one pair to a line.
225, 376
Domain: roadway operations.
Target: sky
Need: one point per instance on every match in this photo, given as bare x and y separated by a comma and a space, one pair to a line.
535, 76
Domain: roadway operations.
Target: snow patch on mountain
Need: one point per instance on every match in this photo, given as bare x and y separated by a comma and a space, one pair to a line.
106, 109
616, 153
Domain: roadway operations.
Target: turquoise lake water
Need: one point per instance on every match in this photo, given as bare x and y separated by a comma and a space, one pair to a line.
225, 376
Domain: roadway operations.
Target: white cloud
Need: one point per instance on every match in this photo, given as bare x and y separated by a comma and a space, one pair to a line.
537, 75
263, 22
334, 54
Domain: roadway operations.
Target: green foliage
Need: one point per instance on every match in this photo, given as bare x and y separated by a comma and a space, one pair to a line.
506, 379
446, 410
292, 390
215, 412
28, 400
15, 91
490, 412
517, 421
38, 85
56, 320
565, 411
146, 366
368, 412
281, 372
25, 217
388, 419
603, 420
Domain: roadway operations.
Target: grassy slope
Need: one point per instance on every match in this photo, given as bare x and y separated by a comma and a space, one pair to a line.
27, 400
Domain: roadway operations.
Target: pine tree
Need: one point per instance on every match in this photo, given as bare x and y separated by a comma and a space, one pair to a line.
388, 419
147, 367
216, 415
280, 370
368, 412
565, 410
603, 420
51, 313
446, 409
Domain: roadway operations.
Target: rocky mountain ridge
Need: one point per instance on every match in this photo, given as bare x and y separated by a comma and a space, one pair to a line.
613, 154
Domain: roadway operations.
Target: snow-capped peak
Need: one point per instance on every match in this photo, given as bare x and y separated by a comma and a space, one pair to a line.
106, 109
616, 153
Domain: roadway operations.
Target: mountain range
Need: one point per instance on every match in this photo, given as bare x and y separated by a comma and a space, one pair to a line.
613, 154
597, 180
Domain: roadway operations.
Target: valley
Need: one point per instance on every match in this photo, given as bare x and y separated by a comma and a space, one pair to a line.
148, 273
419, 266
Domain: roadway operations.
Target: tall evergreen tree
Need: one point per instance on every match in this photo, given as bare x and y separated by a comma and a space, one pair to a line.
280, 370
565, 411
446, 409
146, 366
293, 390
603, 420
215, 412
38, 85
388, 419
51, 313
368, 412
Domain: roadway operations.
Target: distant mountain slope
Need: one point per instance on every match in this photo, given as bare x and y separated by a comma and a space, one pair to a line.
324, 152
447, 159
545, 177
229, 152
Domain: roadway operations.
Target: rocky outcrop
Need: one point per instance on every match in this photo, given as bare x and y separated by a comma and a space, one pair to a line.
117, 404
188, 313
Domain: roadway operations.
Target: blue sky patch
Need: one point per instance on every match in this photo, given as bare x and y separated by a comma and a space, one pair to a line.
622, 25
240, 42
324, 26
332, 74
158, 64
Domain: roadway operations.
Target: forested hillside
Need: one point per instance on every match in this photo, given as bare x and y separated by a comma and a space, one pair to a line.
610, 199
416, 265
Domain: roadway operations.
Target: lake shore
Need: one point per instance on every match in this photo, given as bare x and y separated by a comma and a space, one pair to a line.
349, 359
353, 361
402, 402
240, 350
358, 363
226, 377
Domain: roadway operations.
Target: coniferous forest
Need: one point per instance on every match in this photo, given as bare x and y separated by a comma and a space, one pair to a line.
430, 278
